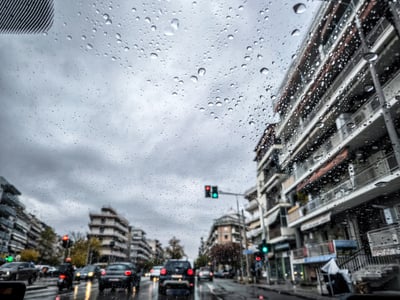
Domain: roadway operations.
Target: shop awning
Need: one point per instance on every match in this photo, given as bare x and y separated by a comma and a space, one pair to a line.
324, 169
316, 222
272, 217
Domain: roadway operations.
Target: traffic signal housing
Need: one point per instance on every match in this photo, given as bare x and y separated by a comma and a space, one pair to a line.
263, 247
65, 241
207, 191
214, 192
258, 256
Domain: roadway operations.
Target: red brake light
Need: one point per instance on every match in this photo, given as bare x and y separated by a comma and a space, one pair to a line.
211, 274
190, 272
62, 276
152, 270
163, 271
103, 272
128, 273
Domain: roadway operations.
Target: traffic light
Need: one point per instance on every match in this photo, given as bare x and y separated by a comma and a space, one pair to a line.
258, 256
263, 247
65, 241
207, 190
214, 192
9, 258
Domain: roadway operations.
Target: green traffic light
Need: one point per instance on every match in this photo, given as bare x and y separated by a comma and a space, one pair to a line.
215, 195
264, 249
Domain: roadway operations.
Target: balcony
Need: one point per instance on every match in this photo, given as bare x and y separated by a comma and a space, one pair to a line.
374, 176
19, 236
280, 234
321, 252
7, 211
4, 236
251, 206
385, 241
6, 222
22, 224
252, 219
12, 200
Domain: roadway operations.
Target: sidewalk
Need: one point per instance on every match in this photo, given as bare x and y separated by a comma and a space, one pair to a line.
295, 290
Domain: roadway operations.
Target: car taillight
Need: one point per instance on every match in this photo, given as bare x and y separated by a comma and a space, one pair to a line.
151, 271
211, 274
190, 272
163, 271
62, 276
128, 273
103, 272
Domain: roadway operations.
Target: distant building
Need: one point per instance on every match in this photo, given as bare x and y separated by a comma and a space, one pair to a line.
140, 251
114, 233
157, 250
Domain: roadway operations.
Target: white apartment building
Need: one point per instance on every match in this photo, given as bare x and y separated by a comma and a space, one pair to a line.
140, 251
113, 231
332, 162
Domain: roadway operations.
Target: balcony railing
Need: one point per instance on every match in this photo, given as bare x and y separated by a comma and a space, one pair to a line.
12, 200
327, 248
7, 210
385, 241
6, 222
373, 172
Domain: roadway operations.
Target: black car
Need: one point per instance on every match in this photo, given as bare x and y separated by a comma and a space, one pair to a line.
177, 276
89, 272
120, 275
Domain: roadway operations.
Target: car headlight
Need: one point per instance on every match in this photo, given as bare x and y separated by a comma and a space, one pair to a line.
90, 274
78, 274
8, 273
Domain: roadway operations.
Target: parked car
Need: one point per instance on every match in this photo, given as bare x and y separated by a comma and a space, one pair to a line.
205, 273
120, 275
219, 274
177, 275
155, 272
89, 272
19, 271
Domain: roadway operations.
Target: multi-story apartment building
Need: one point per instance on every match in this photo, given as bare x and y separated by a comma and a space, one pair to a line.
157, 250
113, 231
140, 249
253, 221
337, 172
226, 229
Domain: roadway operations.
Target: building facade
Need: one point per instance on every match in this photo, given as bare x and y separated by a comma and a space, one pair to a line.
113, 231
140, 251
157, 251
330, 167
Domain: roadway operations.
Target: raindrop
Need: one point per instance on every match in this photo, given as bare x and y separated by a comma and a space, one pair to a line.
126, 48
219, 103
108, 22
153, 28
69, 37
175, 24
194, 78
106, 16
154, 55
147, 19
89, 46
210, 104
320, 124
264, 71
202, 109
259, 56
368, 88
247, 58
118, 36
230, 37
83, 37
299, 8
201, 71
370, 56
351, 125
296, 32
252, 123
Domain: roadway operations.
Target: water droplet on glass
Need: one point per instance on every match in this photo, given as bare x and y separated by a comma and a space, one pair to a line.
153, 27
175, 24
108, 22
296, 32
320, 124
230, 37
118, 36
126, 48
147, 19
201, 71
154, 55
210, 104
368, 88
247, 58
351, 125
194, 78
106, 16
89, 46
259, 56
370, 56
252, 123
69, 37
264, 71
299, 8
219, 103
202, 109
249, 48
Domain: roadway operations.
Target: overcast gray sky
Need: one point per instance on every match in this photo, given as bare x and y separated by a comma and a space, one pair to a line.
139, 104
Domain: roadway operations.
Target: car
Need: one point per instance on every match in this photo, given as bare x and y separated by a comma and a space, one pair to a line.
177, 276
16, 271
205, 273
120, 275
155, 272
89, 272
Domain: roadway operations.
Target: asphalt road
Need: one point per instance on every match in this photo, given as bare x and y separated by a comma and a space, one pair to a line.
217, 290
